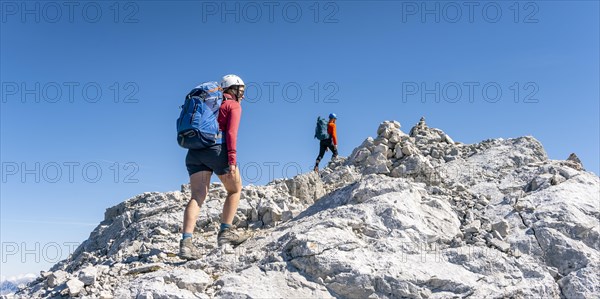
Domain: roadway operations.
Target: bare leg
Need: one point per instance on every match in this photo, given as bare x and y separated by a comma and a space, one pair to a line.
199, 182
233, 185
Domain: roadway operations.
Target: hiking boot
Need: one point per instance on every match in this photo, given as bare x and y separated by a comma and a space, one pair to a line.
188, 251
316, 168
231, 236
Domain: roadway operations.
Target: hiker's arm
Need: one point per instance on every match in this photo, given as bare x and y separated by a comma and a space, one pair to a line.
233, 123
334, 135
332, 131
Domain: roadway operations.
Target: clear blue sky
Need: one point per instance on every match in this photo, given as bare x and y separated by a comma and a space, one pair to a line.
365, 57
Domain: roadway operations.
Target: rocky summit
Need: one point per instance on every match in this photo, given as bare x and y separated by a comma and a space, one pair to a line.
414, 215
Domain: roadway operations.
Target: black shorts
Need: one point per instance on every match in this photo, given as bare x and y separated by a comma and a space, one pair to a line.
213, 158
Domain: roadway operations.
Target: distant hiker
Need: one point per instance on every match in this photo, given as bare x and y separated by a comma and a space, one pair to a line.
326, 133
214, 118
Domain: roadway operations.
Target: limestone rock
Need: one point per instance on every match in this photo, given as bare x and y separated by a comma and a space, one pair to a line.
361, 155
306, 187
75, 287
415, 216
501, 227
88, 275
57, 278
503, 246
377, 163
409, 149
398, 154
193, 281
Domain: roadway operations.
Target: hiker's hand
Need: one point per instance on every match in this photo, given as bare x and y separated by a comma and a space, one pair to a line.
232, 170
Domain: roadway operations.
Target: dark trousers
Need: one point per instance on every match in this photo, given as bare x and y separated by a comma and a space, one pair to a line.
323, 146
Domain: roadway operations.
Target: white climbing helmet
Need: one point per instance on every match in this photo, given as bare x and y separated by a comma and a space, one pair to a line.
231, 80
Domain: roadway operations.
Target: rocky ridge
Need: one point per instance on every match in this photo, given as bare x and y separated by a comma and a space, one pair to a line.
404, 216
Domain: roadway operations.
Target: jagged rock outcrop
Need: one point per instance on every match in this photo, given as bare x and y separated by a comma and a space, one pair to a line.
404, 216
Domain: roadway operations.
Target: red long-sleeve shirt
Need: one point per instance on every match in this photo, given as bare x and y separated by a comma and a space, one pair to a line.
229, 117
332, 132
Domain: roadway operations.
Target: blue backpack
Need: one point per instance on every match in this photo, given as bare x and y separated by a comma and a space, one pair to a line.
321, 129
197, 125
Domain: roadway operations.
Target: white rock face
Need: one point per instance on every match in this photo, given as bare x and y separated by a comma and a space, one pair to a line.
255, 282
75, 286
88, 275
57, 278
405, 216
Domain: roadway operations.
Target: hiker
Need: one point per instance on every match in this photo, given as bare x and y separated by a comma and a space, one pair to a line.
220, 159
328, 140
